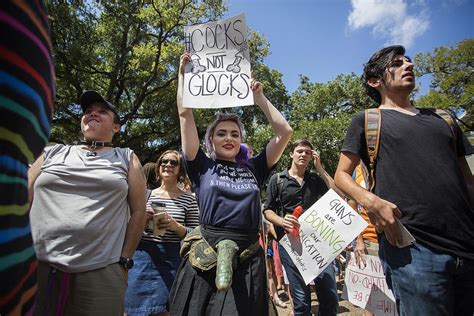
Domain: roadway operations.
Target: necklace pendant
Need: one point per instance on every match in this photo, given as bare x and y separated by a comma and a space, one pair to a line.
91, 154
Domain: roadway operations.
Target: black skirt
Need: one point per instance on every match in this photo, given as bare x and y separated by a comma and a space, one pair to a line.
194, 292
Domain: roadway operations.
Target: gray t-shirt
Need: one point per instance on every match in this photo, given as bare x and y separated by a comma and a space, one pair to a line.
80, 209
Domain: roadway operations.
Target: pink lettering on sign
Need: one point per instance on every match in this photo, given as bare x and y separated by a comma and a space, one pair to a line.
358, 296
367, 288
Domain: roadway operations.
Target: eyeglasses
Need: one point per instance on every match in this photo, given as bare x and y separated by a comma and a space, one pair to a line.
172, 162
398, 62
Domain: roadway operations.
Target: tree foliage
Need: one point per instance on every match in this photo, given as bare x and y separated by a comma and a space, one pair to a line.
452, 83
129, 52
321, 113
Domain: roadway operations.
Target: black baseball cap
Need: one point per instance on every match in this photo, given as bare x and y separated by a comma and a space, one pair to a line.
90, 96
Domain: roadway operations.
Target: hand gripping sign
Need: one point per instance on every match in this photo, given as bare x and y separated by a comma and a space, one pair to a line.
326, 228
218, 75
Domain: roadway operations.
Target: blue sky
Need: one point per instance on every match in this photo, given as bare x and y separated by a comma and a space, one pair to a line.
324, 38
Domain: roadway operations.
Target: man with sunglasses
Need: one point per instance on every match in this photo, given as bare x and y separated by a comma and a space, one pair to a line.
294, 187
421, 180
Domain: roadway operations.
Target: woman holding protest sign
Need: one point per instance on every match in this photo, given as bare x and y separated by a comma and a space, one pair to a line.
227, 186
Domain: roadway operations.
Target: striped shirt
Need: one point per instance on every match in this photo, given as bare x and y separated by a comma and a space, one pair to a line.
27, 90
184, 211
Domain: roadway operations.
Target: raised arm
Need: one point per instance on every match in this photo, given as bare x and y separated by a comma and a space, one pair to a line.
324, 175
189, 134
280, 126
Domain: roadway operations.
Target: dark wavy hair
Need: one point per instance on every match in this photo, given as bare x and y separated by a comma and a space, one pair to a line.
376, 66
242, 157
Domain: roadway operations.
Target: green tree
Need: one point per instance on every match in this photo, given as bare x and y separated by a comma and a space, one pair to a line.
321, 113
129, 52
452, 83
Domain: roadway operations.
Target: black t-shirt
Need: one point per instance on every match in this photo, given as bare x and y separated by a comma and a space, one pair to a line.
418, 170
292, 194
228, 195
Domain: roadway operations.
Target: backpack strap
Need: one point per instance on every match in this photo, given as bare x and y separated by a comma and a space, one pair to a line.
279, 189
449, 120
372, 137
279, 186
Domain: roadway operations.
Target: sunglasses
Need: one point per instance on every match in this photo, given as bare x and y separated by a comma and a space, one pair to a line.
172, 162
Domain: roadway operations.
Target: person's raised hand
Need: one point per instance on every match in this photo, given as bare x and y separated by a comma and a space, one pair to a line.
183, 60
316, 159
257, 88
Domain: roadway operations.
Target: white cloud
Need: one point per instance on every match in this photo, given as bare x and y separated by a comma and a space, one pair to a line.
390, 19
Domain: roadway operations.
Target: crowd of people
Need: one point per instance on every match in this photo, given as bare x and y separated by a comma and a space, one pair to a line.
185, 235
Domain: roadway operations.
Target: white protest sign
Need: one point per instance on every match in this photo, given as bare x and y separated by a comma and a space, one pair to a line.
327, 227
365, 286
218, 75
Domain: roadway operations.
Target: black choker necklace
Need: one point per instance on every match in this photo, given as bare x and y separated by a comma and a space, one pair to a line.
93, 144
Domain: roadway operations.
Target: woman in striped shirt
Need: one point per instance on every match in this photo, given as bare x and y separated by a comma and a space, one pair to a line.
157, 259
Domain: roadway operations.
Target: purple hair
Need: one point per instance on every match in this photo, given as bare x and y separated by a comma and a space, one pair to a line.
242, 157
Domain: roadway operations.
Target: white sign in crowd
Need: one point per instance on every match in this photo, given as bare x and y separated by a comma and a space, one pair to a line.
365, 286
327, 227
219, 73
